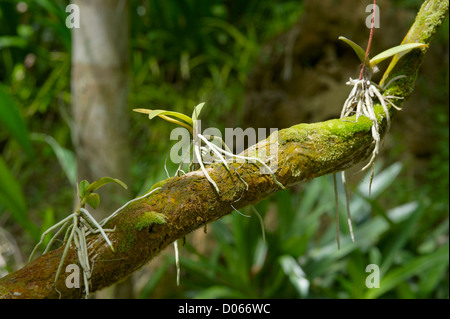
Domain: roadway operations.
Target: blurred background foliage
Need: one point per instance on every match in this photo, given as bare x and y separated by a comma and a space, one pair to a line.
184, 52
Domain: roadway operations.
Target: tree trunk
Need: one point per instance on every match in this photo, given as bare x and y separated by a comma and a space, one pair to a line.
99, 94
100, 63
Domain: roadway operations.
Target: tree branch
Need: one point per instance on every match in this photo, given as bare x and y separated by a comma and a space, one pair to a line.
183, 204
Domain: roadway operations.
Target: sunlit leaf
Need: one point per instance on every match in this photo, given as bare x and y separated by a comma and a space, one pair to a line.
168, 116
381, 181
358, 50
296, 275
400, 50
178, 115
197, 110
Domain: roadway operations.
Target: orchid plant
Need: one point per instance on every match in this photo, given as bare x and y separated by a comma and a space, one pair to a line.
77, 226
207, 149
360, 102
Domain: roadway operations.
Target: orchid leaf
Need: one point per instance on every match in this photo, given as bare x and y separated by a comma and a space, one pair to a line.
82, 188
358, 50
178, 115
197, 110
168, 116
93, 200
400, 49
101, 182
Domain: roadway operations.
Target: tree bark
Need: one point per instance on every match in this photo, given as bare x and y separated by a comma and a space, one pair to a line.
185, 203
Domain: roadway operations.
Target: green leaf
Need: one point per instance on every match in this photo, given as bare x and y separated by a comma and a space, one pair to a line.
197, 110
233, 31
12, 41
295, 274
358, 50
415, 267
400, 49
12, 198
399, 240
82, 188
93, 200
66, 158
101, 182
11, 120
167, 115
381, 181
178, 115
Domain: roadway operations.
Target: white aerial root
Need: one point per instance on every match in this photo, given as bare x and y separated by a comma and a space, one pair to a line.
77, 226
217, 156
104, 221
177, 261
360, 102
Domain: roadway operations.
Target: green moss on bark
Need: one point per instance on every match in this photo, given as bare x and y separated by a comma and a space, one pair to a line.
148, 218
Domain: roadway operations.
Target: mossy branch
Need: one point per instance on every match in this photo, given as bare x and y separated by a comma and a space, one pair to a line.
183, 204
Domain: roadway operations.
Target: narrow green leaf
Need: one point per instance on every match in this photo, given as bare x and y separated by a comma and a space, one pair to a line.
415, 267
358, 50
11, 189
399, 240
12, 41
12, 198
381, 181
400, 49
167, 115
230, 29
66, 158
93, 200
101, 182
197, 110
178, 115
11, 120
295, 274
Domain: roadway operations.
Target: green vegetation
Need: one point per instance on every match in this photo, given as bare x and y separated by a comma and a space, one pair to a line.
183, 52
149, 218
300, 258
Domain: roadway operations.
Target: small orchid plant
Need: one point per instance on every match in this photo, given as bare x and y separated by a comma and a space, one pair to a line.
206, 151
360, 102
77, 226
